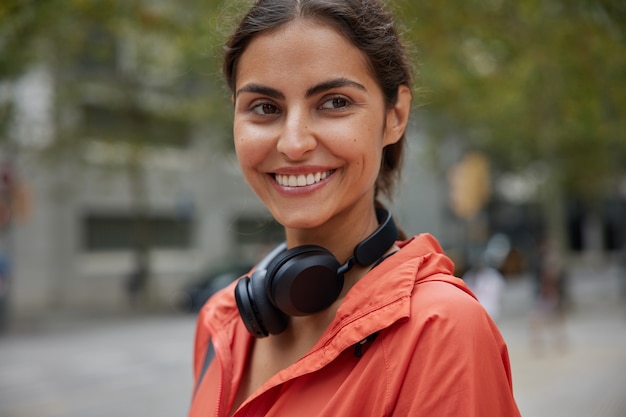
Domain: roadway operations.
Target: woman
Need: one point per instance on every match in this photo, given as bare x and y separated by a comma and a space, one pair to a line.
322, 94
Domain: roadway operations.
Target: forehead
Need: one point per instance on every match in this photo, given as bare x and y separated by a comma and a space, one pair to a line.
299, 48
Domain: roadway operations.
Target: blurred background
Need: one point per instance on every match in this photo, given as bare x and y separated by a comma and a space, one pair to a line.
122, 208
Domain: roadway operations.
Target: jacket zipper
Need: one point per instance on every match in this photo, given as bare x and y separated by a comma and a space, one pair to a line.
220, 390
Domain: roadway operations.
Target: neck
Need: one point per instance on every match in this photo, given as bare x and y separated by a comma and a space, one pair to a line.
339, 235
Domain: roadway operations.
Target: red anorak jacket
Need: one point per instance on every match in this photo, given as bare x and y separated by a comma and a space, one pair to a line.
409, 339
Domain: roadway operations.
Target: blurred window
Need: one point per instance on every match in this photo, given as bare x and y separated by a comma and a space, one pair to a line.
103, 232
575, 217
614, 224
126, 125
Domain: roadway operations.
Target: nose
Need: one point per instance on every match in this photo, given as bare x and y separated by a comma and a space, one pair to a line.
296, 138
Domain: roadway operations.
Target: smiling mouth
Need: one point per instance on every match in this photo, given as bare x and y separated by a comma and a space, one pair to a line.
301, 180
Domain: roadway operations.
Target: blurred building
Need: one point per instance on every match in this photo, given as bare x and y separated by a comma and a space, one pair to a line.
103, 181
89, 213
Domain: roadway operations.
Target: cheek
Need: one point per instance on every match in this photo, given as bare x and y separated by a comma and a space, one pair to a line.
247, 153
247, 146
365, 149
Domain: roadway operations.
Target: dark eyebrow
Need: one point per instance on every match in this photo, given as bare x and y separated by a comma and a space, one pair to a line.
260, 89
317, 89
330, 84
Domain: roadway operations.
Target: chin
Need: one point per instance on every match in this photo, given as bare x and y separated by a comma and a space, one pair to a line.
301, 219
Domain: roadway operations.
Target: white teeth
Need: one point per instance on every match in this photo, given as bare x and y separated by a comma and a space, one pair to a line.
301, 180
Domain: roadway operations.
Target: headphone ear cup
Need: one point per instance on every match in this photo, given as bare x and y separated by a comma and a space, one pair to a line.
246, 309
274, 320
260, 317
303, 280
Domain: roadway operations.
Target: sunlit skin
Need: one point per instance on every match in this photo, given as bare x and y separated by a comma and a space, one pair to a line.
306, 105
307, 111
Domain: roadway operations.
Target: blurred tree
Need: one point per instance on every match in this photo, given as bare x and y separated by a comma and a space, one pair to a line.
128, 76
536, 84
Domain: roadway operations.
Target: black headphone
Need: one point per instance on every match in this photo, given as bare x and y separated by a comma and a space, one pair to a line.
303, 280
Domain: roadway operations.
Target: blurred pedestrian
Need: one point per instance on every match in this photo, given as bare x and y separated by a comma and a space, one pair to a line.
547, 322
621, 277
5, 276
488, 284
347, 317
136, 284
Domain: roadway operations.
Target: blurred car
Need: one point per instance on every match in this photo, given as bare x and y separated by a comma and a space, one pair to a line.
193, 295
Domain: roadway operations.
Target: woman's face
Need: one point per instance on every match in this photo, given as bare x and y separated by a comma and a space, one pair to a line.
310, 124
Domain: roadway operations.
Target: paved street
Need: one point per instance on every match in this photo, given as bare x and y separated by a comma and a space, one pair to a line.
134, 367
587, 379
142, 366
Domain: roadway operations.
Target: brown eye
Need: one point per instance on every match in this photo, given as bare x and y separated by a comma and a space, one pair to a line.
335, 103
264, 109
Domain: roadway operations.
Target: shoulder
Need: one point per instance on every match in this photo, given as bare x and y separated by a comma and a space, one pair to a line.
222, 304
443, 293
444, 314
447, 303
218, 319
218, 315
448, 347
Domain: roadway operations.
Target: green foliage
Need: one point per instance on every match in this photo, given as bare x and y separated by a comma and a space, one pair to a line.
528, 81
141, 59
21, 24
525, 81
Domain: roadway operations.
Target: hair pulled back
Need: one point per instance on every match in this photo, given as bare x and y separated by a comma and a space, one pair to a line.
366, 24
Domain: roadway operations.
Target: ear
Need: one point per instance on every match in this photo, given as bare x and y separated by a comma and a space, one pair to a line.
398, 116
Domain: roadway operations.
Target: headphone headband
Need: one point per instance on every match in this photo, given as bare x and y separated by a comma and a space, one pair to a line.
378, 243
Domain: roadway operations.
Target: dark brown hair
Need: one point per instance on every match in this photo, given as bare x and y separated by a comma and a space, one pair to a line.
365, 23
